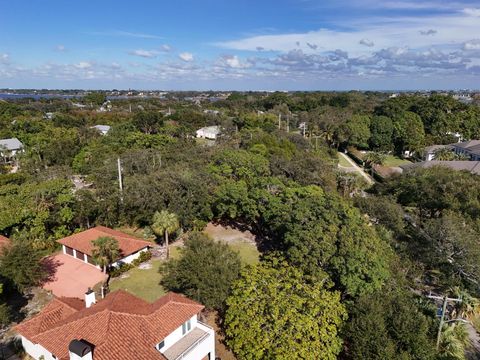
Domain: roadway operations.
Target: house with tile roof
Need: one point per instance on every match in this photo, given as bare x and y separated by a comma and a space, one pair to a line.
80, 245
121, 326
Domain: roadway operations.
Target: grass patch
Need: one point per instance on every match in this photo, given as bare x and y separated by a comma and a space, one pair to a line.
343, 162
249, 255
394, 161
142, 283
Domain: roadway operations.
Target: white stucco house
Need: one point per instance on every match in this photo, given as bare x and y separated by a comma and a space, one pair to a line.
121, 326
209, 132
103, 129
9, 148
80, 245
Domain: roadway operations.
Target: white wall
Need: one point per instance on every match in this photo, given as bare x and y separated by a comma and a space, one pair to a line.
202, 349
128, 259
35, 350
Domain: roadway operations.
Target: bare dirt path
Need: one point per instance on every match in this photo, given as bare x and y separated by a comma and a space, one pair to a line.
357, 168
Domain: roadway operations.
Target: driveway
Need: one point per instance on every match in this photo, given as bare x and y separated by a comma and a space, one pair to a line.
71, 277
357, 168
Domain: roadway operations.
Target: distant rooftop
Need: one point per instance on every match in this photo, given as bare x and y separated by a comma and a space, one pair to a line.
11, 144
471, 166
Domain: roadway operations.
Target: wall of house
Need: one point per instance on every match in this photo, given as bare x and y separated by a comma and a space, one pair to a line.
128, 259
207, 346
177, 334
36, 350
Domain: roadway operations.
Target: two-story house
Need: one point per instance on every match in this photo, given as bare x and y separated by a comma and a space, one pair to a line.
121, 326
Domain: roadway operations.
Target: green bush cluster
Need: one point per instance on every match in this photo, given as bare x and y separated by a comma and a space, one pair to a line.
117, 271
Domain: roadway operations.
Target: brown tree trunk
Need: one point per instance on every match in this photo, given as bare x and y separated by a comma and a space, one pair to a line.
166, 244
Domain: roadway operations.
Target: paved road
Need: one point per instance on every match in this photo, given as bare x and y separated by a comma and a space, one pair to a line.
358, 168
474, 352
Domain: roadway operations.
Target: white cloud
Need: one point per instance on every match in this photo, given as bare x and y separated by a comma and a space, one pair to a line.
186, 56
232, 61
366, 42
4, 58
83, 65
166, 48
472, 12
144, 53
60, 48
472, 45
455, 27
121, 33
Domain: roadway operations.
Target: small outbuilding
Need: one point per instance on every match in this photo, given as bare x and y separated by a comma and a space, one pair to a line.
209, 132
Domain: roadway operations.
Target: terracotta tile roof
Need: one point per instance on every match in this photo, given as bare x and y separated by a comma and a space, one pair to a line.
121, 326
82, 241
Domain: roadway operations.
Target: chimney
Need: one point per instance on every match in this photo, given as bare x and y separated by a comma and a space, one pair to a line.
80, 350
90, 298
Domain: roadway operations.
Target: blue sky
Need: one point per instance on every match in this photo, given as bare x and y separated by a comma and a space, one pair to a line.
240, 45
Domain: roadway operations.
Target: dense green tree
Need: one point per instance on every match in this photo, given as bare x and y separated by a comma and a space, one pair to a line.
359, 130
388, 325
409, 133
274, 312
148, 122
437, 189
381, 130
205, 271
22, 265
95, 98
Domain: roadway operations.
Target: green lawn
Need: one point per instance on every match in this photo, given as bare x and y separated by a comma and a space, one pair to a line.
142, 283
247, 251
343, 162
394, 161
146, 283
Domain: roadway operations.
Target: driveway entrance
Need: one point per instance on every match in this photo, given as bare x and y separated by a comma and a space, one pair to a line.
71, 277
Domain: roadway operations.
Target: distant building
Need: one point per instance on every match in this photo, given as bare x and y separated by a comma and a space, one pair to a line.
469, 148
9, 148
209, 132
471, 166
429, 152
121, 326
103, 129
211, 112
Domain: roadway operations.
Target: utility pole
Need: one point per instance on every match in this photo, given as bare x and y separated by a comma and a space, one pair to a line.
445, 300
120, 182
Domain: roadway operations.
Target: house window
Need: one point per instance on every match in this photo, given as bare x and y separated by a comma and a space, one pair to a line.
186, 326
161, 345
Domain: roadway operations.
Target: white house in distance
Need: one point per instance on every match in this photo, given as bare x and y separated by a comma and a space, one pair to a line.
80, 245
121, 326
103, 129
209, 132
9, 148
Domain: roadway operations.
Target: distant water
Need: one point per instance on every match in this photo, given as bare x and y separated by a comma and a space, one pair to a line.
37, 96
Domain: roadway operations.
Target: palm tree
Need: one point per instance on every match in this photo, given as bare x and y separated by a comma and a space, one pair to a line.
444, 154
164, 223
374, 158
105, 251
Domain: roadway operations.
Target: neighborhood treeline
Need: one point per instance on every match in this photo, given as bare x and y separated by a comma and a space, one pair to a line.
343, 271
